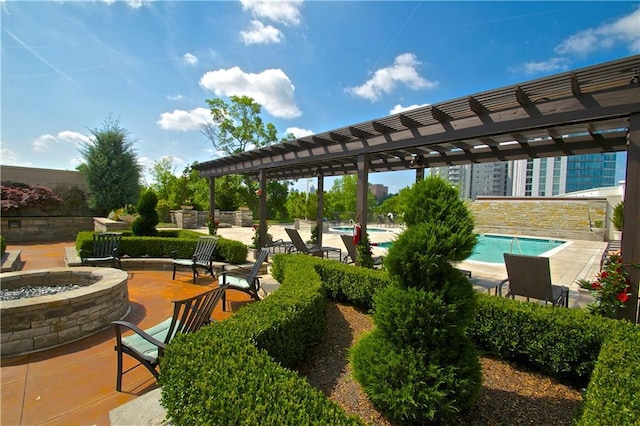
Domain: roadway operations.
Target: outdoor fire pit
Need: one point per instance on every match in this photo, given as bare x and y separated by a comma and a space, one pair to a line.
37, 323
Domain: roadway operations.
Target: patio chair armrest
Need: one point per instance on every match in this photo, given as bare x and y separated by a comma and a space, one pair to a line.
502, 283
174, 254
146, 336
234, 273
83, 253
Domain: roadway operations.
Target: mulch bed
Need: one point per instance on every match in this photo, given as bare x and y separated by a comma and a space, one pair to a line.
509, 395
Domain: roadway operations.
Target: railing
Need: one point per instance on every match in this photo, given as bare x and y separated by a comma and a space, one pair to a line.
517, 242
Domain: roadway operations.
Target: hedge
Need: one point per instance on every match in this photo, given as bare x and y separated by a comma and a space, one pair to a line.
235, 371
183, 242
3, 245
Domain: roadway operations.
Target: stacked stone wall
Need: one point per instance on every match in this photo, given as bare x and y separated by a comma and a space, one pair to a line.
35, 229
570, 218
42, 322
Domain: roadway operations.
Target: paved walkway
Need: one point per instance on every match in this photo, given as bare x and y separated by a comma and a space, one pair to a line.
75, 383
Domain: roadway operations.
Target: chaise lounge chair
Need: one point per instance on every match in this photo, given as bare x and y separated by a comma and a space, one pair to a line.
352, 251
530, 277
202, 257
311, 249
147, 346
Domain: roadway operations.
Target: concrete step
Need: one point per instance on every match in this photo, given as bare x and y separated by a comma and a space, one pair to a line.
11, 261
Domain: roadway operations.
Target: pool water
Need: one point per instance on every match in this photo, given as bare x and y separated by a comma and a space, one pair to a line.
349, 230
491, 247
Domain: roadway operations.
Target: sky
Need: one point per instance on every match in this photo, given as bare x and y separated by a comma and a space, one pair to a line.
314, 66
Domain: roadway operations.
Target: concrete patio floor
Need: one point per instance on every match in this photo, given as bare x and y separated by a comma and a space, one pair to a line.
75, 383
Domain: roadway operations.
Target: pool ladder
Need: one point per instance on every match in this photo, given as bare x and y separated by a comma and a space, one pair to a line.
517, 242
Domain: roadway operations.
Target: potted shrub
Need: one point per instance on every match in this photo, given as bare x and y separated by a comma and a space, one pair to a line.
128, 213
617, 220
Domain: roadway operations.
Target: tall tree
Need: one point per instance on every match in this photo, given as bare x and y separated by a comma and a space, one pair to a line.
111, 166
237, 126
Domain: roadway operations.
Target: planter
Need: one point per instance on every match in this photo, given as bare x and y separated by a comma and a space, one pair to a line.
617, 235
186, 207
129, 218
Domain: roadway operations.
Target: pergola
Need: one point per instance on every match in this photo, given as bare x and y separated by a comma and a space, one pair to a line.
585, 111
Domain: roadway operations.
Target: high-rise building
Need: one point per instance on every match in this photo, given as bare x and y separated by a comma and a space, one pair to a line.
474, 180
379, 191
547, 177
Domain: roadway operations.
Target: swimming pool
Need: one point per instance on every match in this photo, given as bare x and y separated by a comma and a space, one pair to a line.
349, 230
491, 247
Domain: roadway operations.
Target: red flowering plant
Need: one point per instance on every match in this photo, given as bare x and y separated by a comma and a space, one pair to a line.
18, 196
611, 288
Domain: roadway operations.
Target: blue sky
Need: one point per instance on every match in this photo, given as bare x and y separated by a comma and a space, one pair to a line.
314, 66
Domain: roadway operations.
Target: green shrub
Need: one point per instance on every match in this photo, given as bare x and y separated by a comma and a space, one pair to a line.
164, 211
145, 224
612, 394
418, 366
3, 244
617, 218
563, 343
181, 242
244, 358
356, 286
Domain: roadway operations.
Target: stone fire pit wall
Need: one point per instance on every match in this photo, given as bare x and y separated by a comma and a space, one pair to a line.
42, 322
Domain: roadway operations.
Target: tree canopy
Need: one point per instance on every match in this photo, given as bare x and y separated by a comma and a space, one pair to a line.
111, 167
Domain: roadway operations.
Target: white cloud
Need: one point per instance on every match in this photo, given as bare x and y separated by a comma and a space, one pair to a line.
184, 120
284, 12
44, 142
190, 59
554, 64
175, 97
386, 79
134, 4
271, 88
624, 30
258, 33
399, 108
298, 132
8, 156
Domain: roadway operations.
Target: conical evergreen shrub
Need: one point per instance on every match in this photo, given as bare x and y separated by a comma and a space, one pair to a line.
145, 224
418, 366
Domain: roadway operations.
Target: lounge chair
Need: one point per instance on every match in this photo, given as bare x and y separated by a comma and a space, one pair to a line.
202, 257
311, 249
530, 277
148, 346
247, 281
279, 244
106, 247
352, 252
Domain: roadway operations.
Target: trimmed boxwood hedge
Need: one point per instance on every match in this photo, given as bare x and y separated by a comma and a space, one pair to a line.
233, 372
167, 241
3, 244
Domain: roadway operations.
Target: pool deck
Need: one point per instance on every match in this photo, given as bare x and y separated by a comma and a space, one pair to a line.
574, 260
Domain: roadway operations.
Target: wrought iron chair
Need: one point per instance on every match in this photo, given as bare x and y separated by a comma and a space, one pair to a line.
106, 247
147, 346
202, 257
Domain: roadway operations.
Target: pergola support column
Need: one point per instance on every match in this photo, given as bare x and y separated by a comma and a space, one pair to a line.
262, 207
631, 227
212, 196
319, 215
363, 190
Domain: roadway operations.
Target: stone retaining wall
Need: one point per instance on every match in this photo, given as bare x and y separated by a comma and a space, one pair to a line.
23, 228
42, 322
570, 218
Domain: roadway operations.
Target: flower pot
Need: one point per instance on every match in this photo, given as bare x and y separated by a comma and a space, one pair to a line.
129, 218
617, 235
186, 207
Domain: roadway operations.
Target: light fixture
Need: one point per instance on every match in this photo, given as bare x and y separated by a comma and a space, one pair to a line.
416, 161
